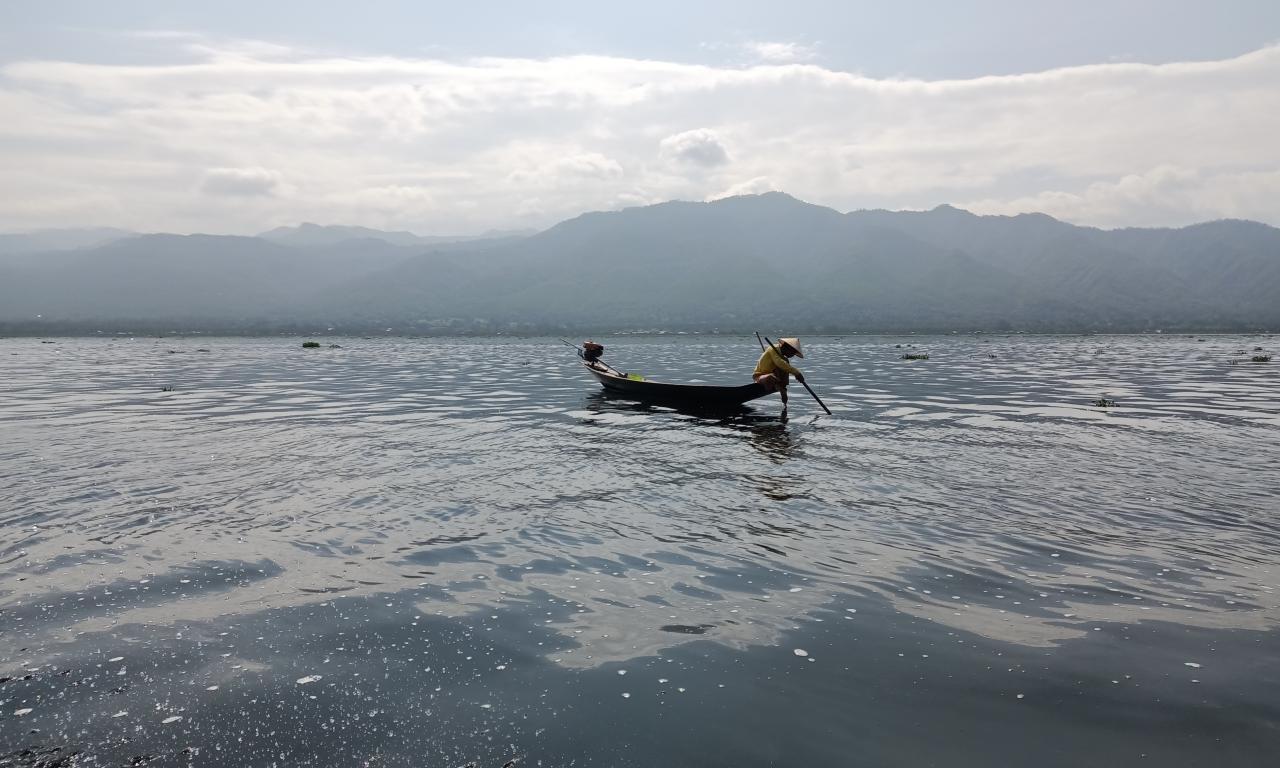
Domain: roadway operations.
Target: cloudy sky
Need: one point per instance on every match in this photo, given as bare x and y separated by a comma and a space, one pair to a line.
234, 117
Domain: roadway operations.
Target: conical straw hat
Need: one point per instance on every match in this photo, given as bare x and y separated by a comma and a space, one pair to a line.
794, 343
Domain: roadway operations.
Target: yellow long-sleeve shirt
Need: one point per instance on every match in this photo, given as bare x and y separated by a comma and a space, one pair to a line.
772, 361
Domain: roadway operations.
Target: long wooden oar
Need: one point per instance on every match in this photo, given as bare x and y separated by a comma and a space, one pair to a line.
804, 384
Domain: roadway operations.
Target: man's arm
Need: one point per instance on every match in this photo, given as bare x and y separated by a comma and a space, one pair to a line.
781, 361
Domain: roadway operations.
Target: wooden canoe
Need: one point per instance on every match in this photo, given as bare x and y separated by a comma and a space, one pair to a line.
700, 396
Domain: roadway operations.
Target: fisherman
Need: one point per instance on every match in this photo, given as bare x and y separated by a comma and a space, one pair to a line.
773, 370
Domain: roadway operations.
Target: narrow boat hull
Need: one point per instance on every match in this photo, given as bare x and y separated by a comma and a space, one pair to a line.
705, 396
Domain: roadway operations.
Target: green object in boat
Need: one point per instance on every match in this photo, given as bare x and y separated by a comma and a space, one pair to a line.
635, 377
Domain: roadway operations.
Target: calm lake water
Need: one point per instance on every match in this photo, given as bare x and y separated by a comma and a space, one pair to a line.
409, 552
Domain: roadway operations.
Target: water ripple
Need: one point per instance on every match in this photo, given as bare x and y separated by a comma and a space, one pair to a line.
981, 491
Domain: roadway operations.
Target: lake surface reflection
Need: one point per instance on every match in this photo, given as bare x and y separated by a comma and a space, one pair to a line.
406, 552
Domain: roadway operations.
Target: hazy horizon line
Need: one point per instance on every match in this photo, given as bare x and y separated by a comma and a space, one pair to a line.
498, 232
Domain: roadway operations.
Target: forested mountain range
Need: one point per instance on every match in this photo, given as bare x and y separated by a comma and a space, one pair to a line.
729, 265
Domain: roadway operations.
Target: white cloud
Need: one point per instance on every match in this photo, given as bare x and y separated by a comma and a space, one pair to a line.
240, 182
391, 200
467, 145
754, 186
1163, 196
697, 147
567, 168
781, 53
590, 165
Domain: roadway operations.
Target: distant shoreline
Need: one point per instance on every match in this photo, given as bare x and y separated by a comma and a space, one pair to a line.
572, 334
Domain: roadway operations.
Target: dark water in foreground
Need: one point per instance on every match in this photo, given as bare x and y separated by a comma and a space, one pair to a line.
423, 553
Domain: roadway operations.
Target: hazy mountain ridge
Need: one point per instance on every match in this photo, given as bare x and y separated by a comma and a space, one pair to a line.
727, 265
59, 239
308, 235
183, 278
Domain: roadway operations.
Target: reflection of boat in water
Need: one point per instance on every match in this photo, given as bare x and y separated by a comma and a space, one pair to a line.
769, 434
695, 396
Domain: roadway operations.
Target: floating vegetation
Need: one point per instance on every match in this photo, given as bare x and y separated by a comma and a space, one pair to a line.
916, 356
1103, 402
310, 345
166, 389
684, 629
1260, 359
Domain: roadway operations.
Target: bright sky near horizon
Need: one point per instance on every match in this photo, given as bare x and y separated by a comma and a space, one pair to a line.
236, 117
